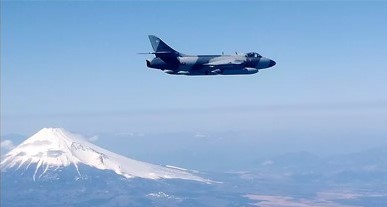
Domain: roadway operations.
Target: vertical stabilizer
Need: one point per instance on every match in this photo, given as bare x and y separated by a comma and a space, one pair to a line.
160, 47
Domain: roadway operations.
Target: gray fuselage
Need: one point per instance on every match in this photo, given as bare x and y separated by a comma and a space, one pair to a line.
201, 64
172, 62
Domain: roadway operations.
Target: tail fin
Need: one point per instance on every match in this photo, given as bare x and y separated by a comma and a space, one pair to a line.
160, 48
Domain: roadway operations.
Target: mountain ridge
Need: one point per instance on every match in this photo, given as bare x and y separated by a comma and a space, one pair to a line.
53, 148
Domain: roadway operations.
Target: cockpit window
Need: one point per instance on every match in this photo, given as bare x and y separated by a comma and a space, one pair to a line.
253, 54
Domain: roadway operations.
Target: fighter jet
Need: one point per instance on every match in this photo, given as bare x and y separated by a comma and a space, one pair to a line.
173, 62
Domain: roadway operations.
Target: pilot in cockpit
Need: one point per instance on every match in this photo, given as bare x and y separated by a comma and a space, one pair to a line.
253, 55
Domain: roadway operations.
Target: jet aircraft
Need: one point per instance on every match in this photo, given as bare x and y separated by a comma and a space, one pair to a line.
173, 62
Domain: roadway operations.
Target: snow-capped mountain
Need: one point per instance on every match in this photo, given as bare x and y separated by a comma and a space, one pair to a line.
54, 148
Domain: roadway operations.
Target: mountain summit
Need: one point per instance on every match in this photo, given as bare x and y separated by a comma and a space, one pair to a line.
52, 149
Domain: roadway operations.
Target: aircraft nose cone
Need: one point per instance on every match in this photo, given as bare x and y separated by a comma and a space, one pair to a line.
272, 63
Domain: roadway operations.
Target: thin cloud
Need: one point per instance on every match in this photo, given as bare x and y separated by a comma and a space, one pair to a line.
93, 138
7, 145
201, 135
286, 201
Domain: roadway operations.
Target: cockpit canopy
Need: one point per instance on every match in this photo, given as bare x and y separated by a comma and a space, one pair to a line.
253, 55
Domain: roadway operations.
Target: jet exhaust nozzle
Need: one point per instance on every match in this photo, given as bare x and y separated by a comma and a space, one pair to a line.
156, 63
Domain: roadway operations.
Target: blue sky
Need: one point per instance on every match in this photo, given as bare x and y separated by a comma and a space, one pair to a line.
74, 65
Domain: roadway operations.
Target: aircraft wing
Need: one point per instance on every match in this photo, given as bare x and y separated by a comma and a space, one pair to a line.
224, 63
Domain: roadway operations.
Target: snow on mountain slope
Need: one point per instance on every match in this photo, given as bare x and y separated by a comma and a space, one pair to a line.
53, 148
